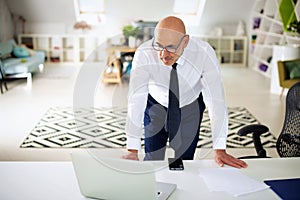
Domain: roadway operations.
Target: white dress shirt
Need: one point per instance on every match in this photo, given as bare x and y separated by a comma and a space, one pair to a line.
197, 70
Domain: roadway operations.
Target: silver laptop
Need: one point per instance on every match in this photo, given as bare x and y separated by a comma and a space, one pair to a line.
111, 178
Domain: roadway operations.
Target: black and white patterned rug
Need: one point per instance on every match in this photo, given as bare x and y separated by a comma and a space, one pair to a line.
104, 128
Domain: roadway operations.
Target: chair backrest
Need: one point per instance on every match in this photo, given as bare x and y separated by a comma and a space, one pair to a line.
7, 47
288, 143
288, 72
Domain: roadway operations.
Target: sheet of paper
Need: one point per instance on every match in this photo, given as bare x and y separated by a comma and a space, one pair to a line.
230, 180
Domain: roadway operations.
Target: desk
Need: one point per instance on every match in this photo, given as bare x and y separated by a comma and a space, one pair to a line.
56, 180
121, 49
113, 61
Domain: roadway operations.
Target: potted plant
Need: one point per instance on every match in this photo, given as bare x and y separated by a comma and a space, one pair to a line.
130, 33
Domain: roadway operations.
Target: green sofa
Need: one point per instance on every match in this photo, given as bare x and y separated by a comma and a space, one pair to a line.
288, 72
20, 62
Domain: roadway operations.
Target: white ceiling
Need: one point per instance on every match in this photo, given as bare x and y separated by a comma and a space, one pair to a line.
120, 12
51, 11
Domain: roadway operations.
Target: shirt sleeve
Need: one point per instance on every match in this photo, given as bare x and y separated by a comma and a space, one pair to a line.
213, 96
137, 100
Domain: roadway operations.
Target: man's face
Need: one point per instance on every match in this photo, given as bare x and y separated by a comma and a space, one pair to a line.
169, 45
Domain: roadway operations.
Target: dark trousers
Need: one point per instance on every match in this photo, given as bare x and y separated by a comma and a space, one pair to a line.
156, 137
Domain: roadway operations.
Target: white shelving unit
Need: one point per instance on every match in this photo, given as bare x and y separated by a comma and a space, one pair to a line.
67, 48
230, 50
67, 52
266, 32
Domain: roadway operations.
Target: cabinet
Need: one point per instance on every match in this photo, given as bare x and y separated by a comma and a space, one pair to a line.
67, 48
230, 50
267, 31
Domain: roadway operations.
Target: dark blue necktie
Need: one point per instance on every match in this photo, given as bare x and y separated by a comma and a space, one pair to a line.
173, 112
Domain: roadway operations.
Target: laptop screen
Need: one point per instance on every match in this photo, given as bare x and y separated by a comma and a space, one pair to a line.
110, 178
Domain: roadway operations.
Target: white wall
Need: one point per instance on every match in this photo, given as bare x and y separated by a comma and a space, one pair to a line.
57, 16
217, 13
120, 12
225, 14
46, 28
44, 16
7, 27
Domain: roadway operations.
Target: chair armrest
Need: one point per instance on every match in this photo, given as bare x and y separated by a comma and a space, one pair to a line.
256, 130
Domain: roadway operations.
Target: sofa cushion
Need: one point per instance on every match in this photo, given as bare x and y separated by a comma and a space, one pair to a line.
24, 65
293, 68
21, 52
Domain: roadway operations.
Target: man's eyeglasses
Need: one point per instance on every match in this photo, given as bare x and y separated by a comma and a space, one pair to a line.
169, 48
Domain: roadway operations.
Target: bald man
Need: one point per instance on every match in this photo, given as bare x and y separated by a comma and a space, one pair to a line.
199, 83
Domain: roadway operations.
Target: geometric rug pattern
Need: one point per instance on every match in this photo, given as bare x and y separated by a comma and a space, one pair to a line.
68, 127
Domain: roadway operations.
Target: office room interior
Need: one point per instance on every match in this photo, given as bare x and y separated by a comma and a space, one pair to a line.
72, 44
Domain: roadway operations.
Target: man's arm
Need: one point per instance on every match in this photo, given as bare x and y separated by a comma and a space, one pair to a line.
137, 99
214, 98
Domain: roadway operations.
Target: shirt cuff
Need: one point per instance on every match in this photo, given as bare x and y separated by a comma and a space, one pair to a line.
219, 143
133, 143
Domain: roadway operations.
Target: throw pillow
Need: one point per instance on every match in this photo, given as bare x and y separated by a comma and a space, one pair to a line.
21, 52
31, 52
293, 69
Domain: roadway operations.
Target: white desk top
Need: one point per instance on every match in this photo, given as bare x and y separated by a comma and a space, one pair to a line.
56, 180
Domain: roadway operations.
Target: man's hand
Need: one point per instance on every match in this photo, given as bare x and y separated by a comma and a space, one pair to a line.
132, 155
221, 157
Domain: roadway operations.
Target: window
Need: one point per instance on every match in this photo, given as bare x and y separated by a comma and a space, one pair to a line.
189, 11
91, 6
90, 11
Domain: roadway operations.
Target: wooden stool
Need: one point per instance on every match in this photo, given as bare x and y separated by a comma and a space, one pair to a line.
113, 75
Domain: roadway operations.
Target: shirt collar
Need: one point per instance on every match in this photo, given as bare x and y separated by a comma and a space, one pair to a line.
180, 60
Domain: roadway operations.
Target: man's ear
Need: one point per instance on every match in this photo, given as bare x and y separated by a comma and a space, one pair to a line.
186, 41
